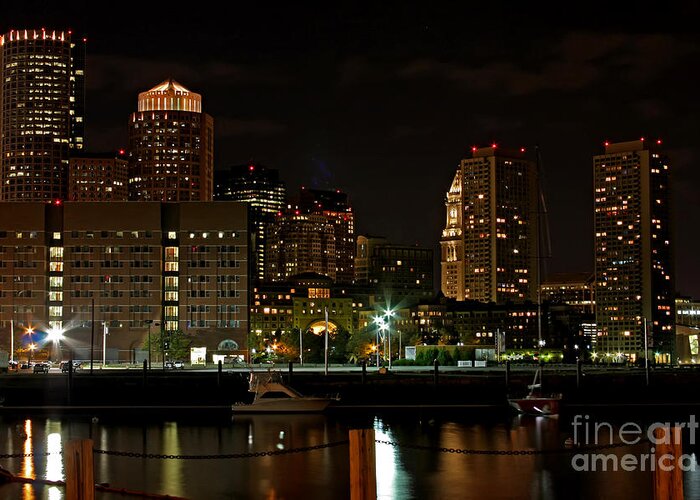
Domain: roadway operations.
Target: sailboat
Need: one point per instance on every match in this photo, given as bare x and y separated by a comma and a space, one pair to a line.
536, 403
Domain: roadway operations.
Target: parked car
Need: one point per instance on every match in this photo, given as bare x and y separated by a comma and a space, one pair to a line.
41, 368
174, 365
76, 366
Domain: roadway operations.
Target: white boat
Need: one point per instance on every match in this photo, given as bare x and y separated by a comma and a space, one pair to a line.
273, 396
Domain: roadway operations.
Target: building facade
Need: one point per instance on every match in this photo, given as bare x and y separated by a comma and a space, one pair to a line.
299, 304
171, 146
335, 207
175, 266
633, 261
42, 95
300, 243
98, 177
400, 274
260, 188
574, 289
489, 244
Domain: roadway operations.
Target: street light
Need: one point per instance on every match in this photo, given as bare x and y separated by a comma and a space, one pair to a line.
388, 314
32, 346
379, 321
29, 330
149, 322
55, 335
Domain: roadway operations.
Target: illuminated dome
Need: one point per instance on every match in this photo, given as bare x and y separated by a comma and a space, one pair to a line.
170, 96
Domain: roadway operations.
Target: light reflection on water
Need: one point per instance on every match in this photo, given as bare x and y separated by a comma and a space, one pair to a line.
402, 473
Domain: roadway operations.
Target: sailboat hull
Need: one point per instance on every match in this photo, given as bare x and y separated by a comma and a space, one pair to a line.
532, 405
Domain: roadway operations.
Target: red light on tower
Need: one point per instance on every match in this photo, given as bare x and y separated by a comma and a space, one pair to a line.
658, 141
522, 150
57, 202
121, 151
493, 145
251, 167
641, 139
473, 149
606, 144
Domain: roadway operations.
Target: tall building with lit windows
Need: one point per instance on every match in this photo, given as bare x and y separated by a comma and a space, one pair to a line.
335, 207
171, 146
489, 244
264, 193
98, 177
129, 266
633, 260
42, 100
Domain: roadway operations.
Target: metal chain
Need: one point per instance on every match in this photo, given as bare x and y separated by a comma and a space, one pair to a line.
133, 454
23, 455
463, 451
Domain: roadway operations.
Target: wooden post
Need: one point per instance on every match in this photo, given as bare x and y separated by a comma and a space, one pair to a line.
364, 372
579, 373
80, 479
70, 380
436, 371
507, 374
145, 373
291, 372
219, 368
363, 465
668, 484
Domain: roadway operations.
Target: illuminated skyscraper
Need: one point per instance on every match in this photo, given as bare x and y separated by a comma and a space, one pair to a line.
300, 243
489, 244
171, 146
98, 177
335, 207
264, 193
42, 100
633, 260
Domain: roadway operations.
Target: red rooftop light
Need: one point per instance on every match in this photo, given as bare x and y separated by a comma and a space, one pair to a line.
251, 167
121, 151
474, 149
493, 145
522, 150
642, 139
606, 143
658, 141
57, 202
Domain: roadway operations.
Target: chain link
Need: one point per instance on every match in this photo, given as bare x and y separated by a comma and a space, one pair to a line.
24, 455
255, 454
573, 449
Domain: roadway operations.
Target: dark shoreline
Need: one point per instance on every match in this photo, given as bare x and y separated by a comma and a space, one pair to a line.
669, 392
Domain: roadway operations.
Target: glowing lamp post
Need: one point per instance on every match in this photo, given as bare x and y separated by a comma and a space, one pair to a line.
55, 335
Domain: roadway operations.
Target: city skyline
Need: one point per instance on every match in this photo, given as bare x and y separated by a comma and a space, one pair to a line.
386, 110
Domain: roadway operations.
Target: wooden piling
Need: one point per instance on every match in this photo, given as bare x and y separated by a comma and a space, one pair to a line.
668, 484
579, 373
364, 372
291, 372
363, 473
219, 369
507, 374
80, 479
436, 371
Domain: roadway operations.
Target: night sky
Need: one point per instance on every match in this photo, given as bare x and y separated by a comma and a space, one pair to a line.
382, 99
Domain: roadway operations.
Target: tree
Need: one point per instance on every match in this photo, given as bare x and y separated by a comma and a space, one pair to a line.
174, 345
359, 345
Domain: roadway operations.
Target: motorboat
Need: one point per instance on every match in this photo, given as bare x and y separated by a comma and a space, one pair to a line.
536, 403
272, 395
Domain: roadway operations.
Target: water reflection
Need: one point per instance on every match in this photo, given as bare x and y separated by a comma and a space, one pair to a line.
402, 473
